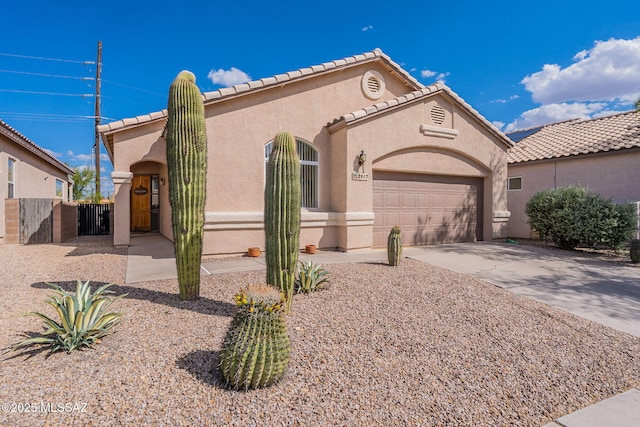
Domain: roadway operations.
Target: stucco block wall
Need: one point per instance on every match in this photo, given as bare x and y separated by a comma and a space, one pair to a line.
612, 175
11, 221
65, 221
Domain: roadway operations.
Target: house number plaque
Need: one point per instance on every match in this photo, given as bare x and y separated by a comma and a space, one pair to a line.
357, 176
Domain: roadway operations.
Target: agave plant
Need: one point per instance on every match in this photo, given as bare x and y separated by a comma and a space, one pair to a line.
83, 318
310, 277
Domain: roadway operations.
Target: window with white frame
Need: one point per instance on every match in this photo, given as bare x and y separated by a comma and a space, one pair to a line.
308, 171
11, 178
59, 188
514, 183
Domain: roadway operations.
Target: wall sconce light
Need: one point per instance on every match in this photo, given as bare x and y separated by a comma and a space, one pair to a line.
162, 180
362, 158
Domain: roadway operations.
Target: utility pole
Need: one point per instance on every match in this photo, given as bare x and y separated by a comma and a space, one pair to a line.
96, 145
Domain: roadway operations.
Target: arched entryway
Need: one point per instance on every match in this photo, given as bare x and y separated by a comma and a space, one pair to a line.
148, 197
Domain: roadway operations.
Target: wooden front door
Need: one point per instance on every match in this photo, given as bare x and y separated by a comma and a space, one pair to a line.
141, 203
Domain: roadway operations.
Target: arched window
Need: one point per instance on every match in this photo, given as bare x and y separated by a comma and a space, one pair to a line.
308, 171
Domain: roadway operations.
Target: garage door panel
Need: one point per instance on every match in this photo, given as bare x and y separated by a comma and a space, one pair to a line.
429, 209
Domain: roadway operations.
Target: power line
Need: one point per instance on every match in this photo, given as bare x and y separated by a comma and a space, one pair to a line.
134, 88
49, 115
82, 95
46, 75
48, 59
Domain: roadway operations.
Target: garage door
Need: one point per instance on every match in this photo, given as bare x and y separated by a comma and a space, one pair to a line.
429, 209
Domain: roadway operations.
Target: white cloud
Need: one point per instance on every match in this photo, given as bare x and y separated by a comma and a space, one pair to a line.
79, 157
504, 101
552, 113
607, 72
367, 28
602, 80
229, 77
498, 124
440, 77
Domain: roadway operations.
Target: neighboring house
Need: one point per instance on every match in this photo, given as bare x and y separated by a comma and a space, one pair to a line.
28, 171
601, 154
433, 165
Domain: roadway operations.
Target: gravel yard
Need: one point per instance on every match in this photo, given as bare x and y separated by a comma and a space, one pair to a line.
411, 345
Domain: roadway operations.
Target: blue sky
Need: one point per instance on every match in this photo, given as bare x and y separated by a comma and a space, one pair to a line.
519, 64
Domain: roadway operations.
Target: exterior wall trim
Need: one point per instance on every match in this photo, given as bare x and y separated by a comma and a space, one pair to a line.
441, 132
501, 216
255, 220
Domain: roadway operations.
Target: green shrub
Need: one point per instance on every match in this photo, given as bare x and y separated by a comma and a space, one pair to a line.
311, 277
83, 320
574, 215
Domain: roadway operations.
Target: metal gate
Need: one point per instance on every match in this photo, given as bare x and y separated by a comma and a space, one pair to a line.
94, 219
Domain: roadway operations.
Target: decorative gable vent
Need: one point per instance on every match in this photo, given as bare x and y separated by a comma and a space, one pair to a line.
373, 85
437, 114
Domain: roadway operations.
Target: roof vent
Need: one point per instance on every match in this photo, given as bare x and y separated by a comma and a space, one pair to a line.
437, 114
373, 85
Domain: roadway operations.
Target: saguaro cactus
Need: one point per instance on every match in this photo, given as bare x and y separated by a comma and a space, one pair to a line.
634, 251
187, 167
394, 246
282, 214
255, 351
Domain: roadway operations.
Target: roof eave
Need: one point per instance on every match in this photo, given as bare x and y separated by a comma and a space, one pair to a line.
32, 147
411, 98
278, 80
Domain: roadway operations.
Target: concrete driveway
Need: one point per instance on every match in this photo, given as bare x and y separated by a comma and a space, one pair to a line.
605, 292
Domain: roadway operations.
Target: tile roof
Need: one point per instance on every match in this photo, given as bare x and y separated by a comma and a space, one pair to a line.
26, 143
577, 137
416, 95
244, 88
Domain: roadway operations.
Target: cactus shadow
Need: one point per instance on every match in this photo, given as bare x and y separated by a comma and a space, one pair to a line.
202, 305
203, 365
376, 263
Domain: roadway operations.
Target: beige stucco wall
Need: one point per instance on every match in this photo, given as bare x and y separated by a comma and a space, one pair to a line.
613, 175
397, 142
34, 177
139, 150
239, 128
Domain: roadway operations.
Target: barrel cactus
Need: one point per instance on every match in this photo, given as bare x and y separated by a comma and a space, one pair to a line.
187, 167
255, 351
394, 246
282, 214
634, 251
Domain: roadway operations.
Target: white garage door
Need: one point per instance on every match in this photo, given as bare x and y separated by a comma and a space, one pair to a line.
429, 209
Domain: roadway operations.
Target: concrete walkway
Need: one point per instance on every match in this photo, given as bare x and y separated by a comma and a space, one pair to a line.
604, 292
